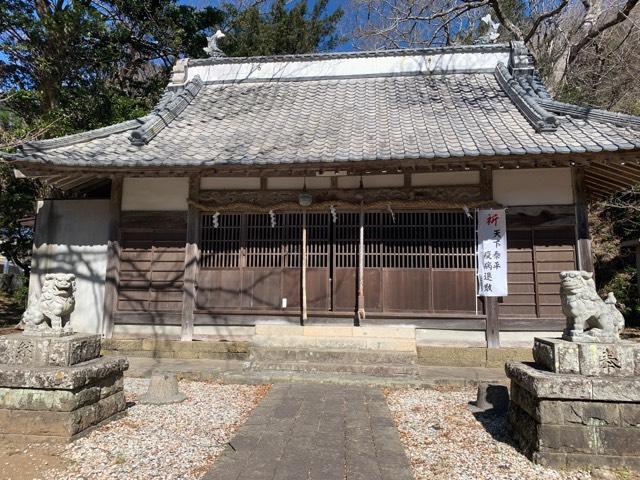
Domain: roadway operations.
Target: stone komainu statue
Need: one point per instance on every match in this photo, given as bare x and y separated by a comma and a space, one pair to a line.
589, 318
50, 315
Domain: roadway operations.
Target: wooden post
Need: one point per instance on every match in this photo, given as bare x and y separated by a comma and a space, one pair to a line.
493, 322
361, 310
303, 281
112, 279
190, 262
583, 238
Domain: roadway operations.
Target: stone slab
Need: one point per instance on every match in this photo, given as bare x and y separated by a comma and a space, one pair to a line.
591, 359
316, 432
61, 378
59, 400
59, 423
39, 351
546, 384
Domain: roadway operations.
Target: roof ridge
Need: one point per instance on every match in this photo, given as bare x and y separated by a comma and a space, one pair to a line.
589, 113
493, 47
72, 139
165, 112
538, 117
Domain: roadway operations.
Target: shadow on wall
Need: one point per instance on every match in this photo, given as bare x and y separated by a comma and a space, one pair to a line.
71, 237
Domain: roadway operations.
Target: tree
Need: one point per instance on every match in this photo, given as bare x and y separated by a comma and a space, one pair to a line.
16, 202
282, 30
556, 31
73, 65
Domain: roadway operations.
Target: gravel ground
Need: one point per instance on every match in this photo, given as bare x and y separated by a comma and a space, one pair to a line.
443, 439
178, 441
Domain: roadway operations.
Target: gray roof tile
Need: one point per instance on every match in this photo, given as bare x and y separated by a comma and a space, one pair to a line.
346, 119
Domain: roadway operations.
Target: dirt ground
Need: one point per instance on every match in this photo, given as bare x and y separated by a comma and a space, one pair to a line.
30, 461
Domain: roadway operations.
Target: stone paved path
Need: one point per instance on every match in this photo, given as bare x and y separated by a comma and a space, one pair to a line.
316, 432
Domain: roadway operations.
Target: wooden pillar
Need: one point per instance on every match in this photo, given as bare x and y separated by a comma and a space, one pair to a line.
113, 258
493, 322
303, 281
361, 310
191, 256
583, 238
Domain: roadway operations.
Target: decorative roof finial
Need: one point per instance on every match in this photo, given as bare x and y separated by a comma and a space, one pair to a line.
212, 47
492, 35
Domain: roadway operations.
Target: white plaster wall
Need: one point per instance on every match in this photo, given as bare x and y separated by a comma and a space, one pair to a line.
164, 193
449, 62
297, 183
471, 177
74, 241
538, 186
230, 183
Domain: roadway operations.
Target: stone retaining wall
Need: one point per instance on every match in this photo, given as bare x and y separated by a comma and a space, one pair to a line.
577, 430
152, 348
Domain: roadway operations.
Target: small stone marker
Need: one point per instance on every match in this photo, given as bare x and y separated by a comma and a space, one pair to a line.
491, 396
163, 389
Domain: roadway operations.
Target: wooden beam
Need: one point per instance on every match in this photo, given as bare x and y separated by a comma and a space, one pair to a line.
191, 256
583, 238
113, 258
493, 322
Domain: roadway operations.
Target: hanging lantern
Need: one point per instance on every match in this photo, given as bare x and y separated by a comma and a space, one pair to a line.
334, 213
216, 220
272, 215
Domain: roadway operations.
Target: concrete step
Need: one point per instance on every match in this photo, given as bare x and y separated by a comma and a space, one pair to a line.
332, 356
379, 369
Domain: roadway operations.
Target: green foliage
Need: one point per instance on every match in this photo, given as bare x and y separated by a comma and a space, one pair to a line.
20, 295
16, 202
281, 29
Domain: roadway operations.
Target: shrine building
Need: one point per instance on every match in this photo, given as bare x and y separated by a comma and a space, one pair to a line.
331, 190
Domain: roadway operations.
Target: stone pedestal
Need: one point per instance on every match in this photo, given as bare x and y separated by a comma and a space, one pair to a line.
578, 405
57, 387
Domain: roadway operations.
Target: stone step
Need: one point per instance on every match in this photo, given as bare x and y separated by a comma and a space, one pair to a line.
328, 355
379, 370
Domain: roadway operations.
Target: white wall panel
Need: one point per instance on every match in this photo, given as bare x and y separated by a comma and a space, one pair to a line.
537, 186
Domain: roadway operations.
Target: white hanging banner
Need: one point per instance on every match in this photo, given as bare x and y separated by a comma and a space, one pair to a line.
492, 253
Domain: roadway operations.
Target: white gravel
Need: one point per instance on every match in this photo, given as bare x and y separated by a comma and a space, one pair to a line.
443, 439
178, 441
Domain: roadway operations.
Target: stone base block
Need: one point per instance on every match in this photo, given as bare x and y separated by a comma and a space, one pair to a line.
556, 423
621, 359
60, 402
40, 351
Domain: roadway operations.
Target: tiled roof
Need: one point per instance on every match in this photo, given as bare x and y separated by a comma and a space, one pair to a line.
346, 119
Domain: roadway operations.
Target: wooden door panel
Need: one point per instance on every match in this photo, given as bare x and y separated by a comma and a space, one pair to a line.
318, 292
372, 289
344, 289
408, 289
219, 289
291, 288
262, 289
454, 290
